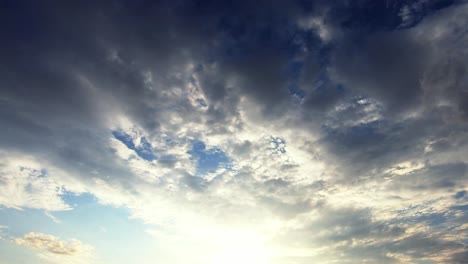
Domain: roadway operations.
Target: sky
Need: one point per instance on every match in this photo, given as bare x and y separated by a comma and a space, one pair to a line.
227, 132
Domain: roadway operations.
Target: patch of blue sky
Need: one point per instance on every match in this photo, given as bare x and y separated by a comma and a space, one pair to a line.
144, 150
209, 160
100, 223
125, 138
10, 253
102, 226
24, 221
74, 199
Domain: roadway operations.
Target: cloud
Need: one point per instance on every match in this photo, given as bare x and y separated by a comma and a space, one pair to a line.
25, 183
55, 250
2, 227
49, 243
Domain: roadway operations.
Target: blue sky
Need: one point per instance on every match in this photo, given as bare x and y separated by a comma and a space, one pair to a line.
206, 132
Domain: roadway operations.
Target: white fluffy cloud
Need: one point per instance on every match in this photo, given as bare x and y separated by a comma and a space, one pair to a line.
56, 250
25, 183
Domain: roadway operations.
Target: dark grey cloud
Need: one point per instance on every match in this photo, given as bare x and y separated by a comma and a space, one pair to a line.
459, 258
356, 236
388, 66
444, 176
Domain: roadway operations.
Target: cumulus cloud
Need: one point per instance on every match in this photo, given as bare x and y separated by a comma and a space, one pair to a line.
49, 243
55, 250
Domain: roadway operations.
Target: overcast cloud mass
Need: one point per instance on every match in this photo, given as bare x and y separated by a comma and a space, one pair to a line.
255, 132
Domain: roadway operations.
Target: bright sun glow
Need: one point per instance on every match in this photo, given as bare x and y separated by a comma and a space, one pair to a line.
239, 255
240, 250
